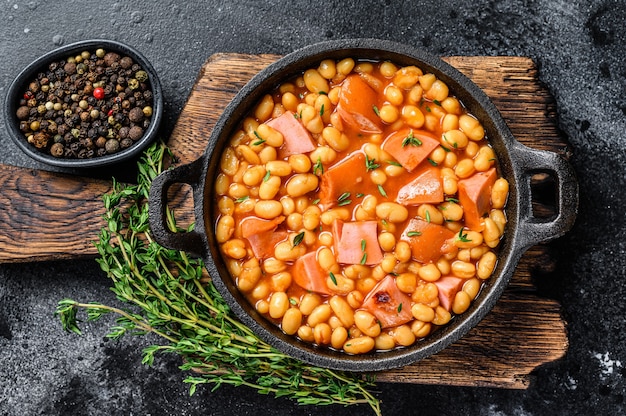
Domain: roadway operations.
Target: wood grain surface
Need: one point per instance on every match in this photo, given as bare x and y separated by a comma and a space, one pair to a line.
49, 216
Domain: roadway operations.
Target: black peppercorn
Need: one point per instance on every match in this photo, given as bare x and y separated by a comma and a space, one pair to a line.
40, 139
112, 146
70, 68
101, 142
135, 115
126, 143
123, 132
23, 112
110, 58
57, 149
126, 62
135, 133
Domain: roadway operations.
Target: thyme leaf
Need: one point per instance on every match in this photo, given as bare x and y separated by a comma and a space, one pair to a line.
333, 278
298, 239
370, 164
463, 236
344, 199
318, 167
411, 140
260, 141
394, 163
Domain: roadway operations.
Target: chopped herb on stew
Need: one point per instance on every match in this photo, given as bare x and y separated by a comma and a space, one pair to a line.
370, 164
298, 239
333, 278
318, 168
344, 199
463, 237
411, 140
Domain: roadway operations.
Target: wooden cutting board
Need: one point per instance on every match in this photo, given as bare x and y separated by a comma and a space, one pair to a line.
50, 216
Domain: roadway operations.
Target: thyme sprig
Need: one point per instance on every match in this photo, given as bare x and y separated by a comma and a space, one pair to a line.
170, 295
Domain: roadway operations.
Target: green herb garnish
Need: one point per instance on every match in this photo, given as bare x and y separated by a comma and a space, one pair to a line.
414, 233
370, 164
318, 167
376, 110
382, 191
267, 176
242, 198
363, 243
445, 139
168, 294
322, 110
298, 239
260, 141
394, 163
363, 259
333, 278
344, 199
400, 308
432, 162
411, 140
463, 237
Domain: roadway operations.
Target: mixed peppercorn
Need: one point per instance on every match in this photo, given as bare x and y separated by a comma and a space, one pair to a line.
88, 105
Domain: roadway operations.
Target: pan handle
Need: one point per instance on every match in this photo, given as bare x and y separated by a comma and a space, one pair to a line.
533, 230
191, 242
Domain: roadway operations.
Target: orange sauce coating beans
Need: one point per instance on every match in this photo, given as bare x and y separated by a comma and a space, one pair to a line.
359, 206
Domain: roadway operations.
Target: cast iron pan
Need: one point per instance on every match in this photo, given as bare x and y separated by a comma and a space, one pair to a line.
517, 163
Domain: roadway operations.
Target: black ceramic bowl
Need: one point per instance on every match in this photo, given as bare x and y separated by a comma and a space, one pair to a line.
20, 84
517, 163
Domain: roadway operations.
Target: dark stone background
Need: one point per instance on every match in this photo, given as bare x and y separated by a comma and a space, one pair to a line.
579, 47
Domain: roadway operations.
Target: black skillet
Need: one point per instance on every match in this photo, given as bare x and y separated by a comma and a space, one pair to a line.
517, 163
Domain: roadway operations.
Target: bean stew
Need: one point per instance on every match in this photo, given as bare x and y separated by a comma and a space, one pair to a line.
360, 206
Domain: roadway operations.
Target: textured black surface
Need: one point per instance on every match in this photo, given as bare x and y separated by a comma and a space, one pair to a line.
579, 49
